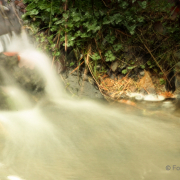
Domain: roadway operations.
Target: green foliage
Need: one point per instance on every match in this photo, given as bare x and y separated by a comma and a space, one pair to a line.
142, 66
117, 47
109, 56
162, 81
84, 19
72, 64
106, 25
131, 67
124, 71
95, 57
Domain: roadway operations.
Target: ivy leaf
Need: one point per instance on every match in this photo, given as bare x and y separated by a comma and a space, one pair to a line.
78, 33
162, 81
71, 38
57, 53
95, 57
54, 28
124, 5
96, 29
116, 18
117, 47
149, 63
55, 19
84, 35
72, 64
59, 22
76, 18
124, 71
143, 4
109, 56
110, 38
65, 15
142, 66
43, 6
106, 20
140, 19
34, 12
101, 13
131, 29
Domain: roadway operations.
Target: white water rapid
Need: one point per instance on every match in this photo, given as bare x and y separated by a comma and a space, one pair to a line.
63, 139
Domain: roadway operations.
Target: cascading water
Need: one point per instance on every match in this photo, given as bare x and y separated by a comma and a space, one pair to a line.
64, 139
4, 42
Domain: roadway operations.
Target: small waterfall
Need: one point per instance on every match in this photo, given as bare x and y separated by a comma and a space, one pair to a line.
59, 138
4, 42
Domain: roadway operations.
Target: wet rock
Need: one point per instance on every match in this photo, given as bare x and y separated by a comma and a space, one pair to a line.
82, 85
113, 76
121, 67
170, 82
28, 79
120, 77
114, 66
85, 77
177, 54
133, 89
109, 72
59, 67
4, 98
142, 91
128, 56
147, 84
9, 21
20, 5
142, 73
151, 90
158, 27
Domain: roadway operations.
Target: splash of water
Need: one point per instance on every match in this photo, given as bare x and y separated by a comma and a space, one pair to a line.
65, 139
4, 42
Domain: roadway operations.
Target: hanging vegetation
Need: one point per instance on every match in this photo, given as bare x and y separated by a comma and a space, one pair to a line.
137, 34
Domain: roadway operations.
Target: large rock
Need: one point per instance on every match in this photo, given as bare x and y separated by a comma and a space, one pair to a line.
28, 79
9, 18
81, 86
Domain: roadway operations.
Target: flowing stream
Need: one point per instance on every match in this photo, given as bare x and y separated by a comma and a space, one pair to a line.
60, 138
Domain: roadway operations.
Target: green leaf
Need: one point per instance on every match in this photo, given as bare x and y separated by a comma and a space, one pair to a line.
109, 56
117, 47
95, 57
142, 66
59, 22
149, 63
143, 4
65, 15
124, 5
57, 54
162, 81
34, 12
106, 20
72, 64
131, 67
140, 19
124, 71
